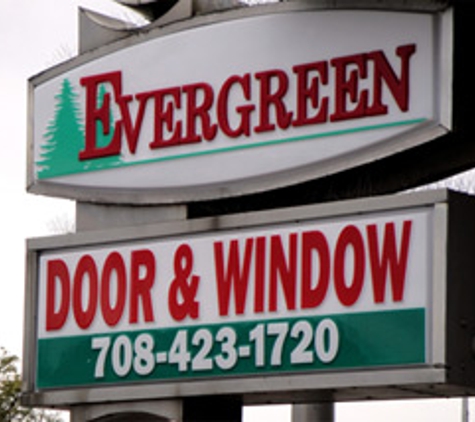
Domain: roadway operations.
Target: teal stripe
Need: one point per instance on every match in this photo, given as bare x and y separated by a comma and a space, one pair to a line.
278, 142
248, 145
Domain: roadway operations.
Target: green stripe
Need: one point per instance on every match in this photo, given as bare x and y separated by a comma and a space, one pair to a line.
279, 141
247, 146
366, 340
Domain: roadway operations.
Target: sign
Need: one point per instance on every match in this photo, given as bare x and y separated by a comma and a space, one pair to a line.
311, 294
274, 300
262, 107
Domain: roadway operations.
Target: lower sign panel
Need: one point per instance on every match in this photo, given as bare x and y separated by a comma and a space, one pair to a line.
354, 298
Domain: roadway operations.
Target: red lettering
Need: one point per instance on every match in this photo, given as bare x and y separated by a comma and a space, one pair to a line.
284, 270
399, 87
364, 85
244, 111
57, 271
235, 276
182, 301
388, 258
141, 282
349, 237
114, 265
88, 291
165, 117
132, 131
273, 97
348, 72
100, 114
314, 242
309, 93
199, 112
86, 270
259, 289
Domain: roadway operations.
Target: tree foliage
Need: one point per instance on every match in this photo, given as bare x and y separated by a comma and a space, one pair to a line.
10, 389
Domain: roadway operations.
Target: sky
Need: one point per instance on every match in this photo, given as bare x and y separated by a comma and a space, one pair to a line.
34, 35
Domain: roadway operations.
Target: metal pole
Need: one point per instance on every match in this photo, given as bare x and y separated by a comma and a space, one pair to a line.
315, 412
465, 410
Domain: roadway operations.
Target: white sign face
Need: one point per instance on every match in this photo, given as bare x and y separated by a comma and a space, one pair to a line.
320, 295
237, 107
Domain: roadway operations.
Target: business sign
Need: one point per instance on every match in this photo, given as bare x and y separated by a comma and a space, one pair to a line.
239, 106
265, 301
340, 293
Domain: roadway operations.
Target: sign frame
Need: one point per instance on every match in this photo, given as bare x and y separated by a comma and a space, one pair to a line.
279, 179
451, 286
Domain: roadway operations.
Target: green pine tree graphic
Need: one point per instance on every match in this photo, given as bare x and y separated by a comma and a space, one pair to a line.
64, 138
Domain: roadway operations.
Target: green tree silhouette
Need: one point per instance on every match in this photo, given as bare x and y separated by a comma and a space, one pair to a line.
64, 138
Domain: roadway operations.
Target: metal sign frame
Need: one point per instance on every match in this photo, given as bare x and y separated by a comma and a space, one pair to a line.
278, 179
450, 319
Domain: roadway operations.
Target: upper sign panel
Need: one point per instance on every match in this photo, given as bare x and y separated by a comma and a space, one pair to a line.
239, 106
